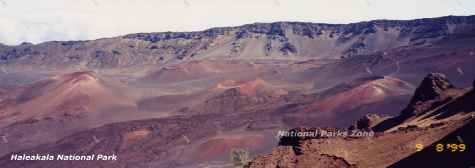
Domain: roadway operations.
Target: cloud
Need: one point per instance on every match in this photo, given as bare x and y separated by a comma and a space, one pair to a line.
17, 31
40, 27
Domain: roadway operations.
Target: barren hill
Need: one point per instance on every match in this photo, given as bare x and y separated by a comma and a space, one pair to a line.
50, 109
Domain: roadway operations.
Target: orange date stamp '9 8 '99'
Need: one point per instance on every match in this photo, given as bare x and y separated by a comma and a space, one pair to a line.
449, 147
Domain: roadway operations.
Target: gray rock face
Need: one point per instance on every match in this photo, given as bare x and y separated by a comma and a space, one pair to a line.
279, 39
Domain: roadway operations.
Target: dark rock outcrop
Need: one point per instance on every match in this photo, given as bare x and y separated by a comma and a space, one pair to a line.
367, 122
431, 92
434, 90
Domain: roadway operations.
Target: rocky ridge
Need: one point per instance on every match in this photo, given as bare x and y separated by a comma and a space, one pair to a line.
441, 124
259, 40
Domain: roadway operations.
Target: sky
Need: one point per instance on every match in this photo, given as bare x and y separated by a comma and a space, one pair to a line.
38, 21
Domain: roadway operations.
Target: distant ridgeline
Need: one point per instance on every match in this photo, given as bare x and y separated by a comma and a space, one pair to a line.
260, 40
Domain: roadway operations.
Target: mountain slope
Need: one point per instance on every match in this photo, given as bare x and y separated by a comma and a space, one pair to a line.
50, 109
70, 95
259, 40
186, 99
383, 95
397, 147
447, 158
